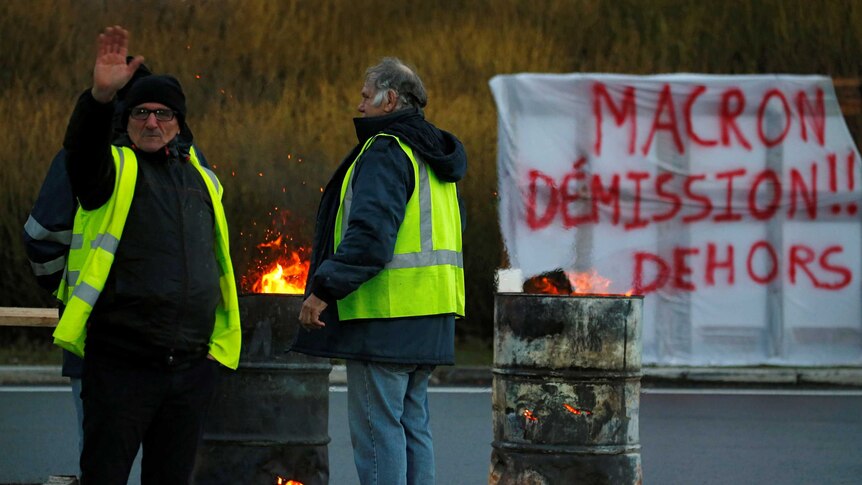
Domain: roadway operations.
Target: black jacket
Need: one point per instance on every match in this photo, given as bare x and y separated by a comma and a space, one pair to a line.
160, 297
382, 185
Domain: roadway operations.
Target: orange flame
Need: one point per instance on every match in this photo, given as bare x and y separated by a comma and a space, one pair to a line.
575, 410
546, 286
286, 275
530, 416
588, 282
283, 269
284, 481
575, 283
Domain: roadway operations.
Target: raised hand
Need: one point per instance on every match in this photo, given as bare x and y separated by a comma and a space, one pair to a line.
111, 71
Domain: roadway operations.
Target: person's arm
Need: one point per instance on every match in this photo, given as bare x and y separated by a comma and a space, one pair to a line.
88, 136
382, 184
88, 152
48, 230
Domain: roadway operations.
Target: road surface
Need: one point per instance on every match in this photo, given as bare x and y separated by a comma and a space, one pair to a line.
688, 436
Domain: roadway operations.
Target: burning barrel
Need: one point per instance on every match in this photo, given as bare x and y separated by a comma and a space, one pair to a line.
566, 389
268, 422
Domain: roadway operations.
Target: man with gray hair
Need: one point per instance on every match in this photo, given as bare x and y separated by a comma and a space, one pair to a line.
387, 277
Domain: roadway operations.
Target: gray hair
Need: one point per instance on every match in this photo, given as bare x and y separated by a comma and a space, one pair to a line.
393, 74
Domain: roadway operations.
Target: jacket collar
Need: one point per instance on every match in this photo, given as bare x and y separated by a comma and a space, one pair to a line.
368, 127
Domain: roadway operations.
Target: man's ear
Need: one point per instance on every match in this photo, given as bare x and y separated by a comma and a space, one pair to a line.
391, 101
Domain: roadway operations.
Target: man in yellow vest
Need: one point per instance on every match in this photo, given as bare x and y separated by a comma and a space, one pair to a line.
387, 276
149, 292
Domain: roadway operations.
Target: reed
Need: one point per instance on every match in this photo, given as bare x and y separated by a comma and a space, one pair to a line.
272, 86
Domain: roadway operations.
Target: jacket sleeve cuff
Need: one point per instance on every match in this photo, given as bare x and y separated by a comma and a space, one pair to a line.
321, 292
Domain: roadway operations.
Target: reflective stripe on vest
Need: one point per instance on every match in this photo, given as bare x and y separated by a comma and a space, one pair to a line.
103, 244
77, 241
105, 241
400, 285
86, 293
71, 277
213, 178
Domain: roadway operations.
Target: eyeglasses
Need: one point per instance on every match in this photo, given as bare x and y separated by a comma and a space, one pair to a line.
144, 113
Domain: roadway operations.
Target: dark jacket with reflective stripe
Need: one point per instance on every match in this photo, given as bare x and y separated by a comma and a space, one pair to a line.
162, 291
48, 230
382, 185
47, 234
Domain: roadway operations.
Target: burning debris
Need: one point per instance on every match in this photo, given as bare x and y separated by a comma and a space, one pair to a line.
561, 282
285, 481
281, 267
283, 278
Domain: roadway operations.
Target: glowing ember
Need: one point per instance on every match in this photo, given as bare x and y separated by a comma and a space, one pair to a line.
530, 416
284, 481
575, 410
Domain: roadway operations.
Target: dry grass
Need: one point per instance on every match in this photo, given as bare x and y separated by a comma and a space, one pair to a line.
272, 85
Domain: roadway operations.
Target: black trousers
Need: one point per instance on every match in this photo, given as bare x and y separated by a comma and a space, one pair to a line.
127, 405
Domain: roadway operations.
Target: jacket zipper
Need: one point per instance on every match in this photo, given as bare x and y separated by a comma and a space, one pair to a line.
184, 252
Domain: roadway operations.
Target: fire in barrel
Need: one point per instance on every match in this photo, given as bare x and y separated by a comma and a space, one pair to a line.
566, 388
268, 422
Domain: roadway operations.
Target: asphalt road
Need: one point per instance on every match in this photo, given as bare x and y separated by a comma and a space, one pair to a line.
687, 436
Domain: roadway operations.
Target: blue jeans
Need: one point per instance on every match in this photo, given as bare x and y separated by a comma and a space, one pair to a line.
387, 407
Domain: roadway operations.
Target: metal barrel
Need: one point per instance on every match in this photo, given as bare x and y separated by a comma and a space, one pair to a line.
269, 418
566, 390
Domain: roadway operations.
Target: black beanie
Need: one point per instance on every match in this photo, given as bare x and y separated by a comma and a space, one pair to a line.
158, 89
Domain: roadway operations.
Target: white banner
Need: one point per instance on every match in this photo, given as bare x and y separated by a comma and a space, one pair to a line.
731, 202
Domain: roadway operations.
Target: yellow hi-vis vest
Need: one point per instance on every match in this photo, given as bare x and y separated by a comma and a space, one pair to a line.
95, 238
426, 273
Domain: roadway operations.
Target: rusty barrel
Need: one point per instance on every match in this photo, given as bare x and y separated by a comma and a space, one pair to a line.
566, 390
269, 418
